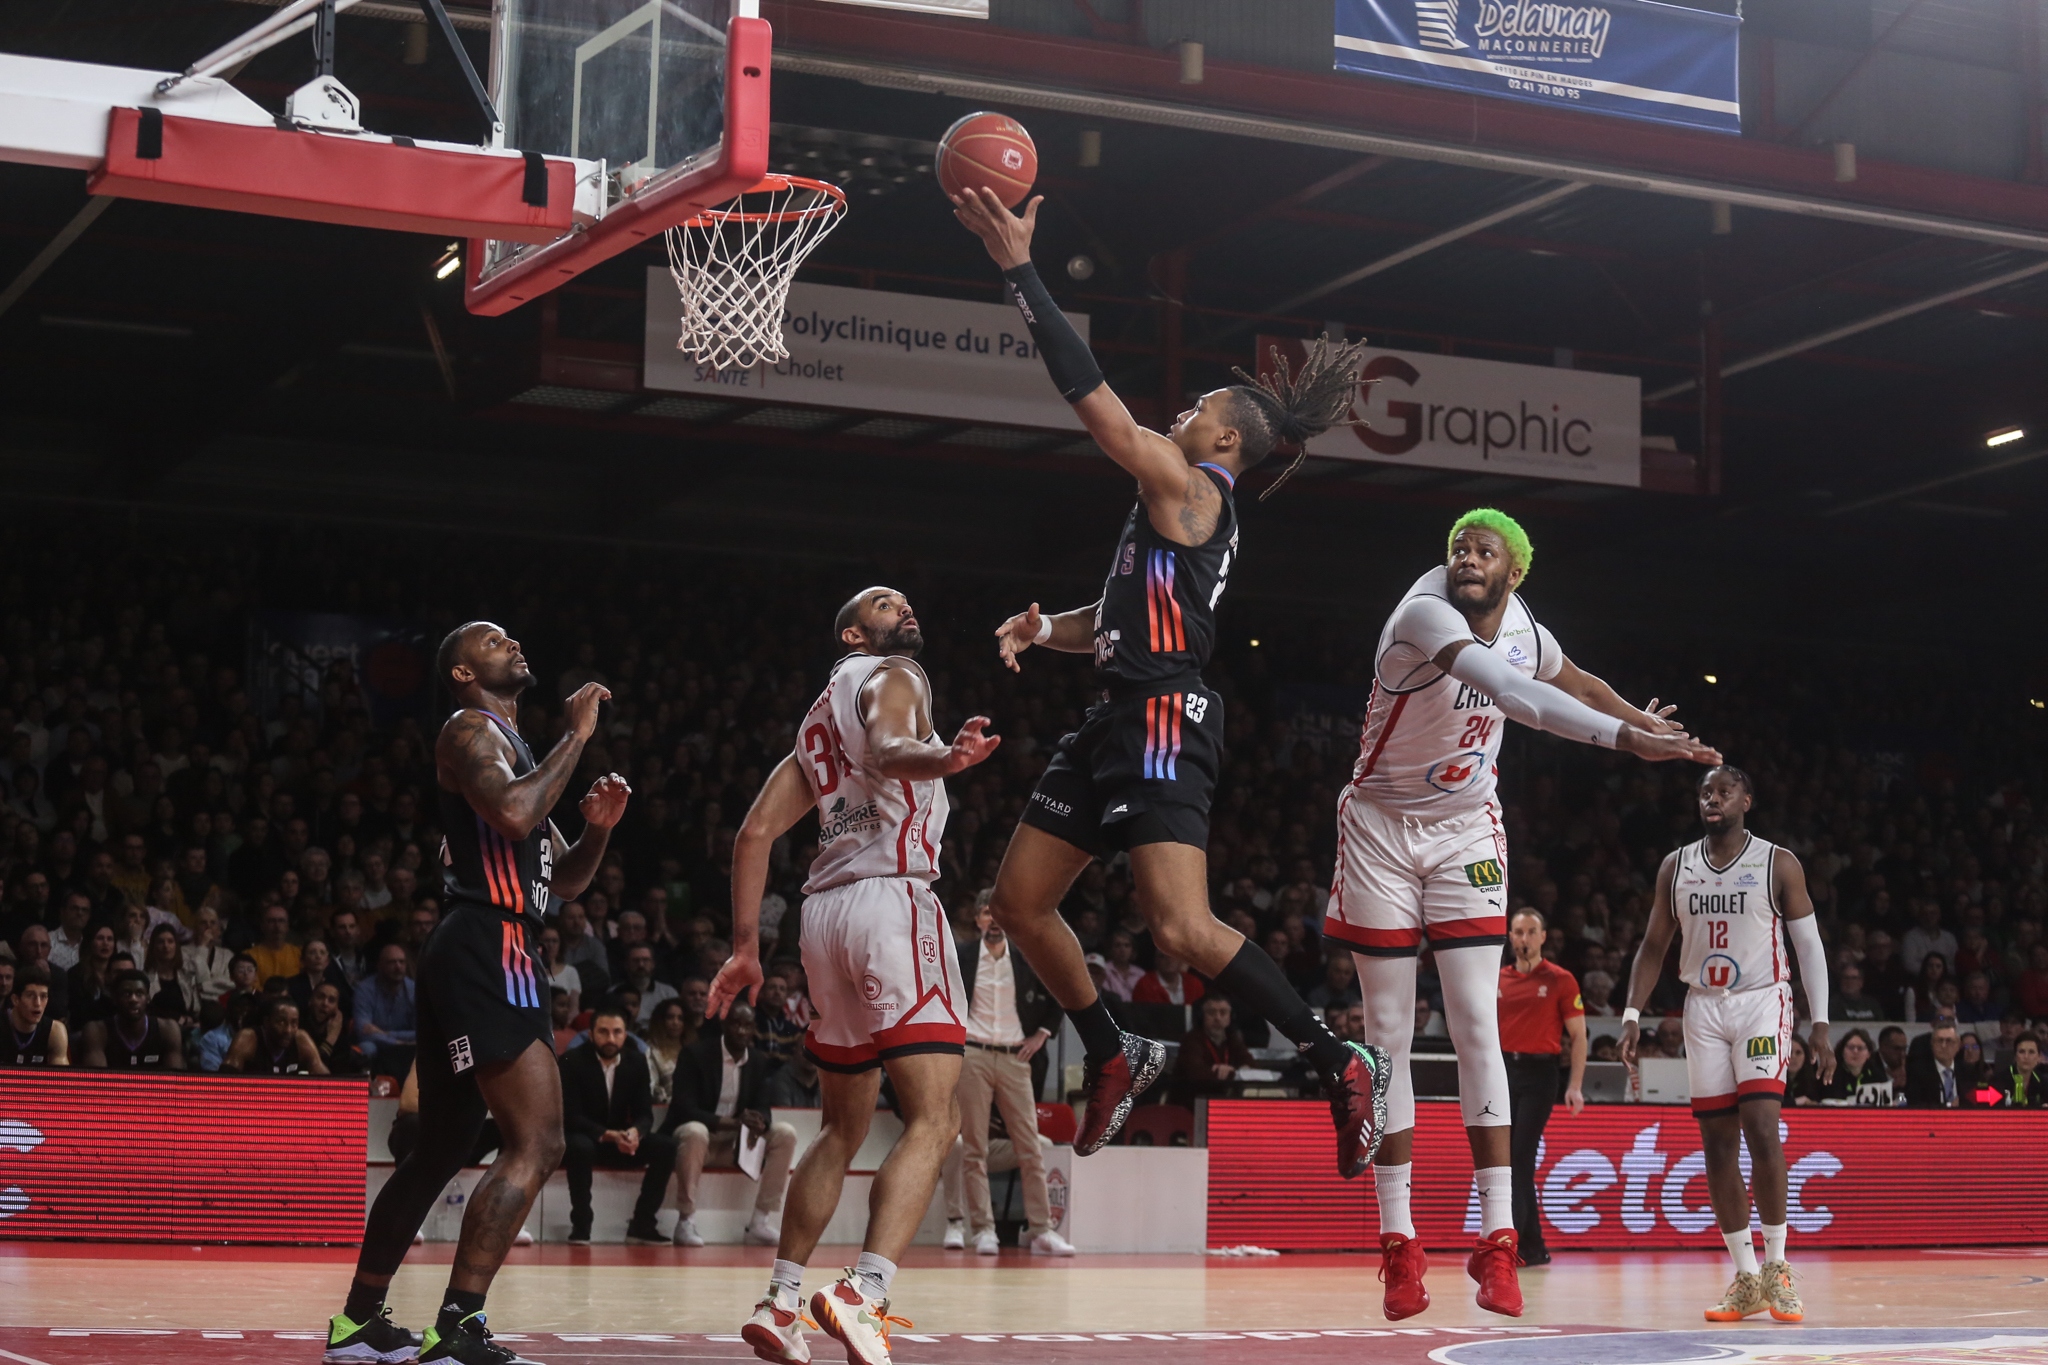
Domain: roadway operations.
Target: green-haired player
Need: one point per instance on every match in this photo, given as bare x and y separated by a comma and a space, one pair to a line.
1421, 854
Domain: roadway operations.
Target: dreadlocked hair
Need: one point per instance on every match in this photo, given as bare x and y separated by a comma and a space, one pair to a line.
1291, 409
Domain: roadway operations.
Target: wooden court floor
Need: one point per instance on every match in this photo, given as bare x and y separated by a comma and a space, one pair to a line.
59, 1302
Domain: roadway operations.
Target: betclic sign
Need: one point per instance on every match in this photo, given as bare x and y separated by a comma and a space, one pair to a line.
1487, 416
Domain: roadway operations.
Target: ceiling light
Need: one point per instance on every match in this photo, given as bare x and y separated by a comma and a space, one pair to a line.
448, 267
1255, 644
1712, 678
2037, 703
2004, 436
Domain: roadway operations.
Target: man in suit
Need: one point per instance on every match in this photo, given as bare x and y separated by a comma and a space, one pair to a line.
608, 1118
1010, 1016
718, 1093
1931, 1079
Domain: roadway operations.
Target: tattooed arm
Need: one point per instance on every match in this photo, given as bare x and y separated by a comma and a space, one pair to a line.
474, 758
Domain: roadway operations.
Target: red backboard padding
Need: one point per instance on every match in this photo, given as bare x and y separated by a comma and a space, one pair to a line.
334, 178
154, 1158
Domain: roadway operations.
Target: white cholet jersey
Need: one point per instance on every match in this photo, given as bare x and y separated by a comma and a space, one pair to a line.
1430, 743
868, 825
1731, 938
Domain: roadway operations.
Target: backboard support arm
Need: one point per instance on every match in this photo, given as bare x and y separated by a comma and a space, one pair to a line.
493, 125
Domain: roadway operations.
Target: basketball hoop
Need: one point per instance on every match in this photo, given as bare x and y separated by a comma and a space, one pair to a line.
733, 264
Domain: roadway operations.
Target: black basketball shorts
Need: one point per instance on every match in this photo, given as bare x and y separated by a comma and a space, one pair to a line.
1141, 770
481, 995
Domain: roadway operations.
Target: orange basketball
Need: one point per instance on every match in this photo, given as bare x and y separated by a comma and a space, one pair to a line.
990, 150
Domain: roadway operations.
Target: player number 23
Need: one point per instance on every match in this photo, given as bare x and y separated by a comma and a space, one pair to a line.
1196, 707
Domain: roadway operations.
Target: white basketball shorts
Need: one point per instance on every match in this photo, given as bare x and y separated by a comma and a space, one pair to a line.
884, 977
1735, 1046
1399, 878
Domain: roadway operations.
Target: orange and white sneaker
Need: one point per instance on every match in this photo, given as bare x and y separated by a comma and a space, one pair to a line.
1779, 1292
777, 1334
1402, 1265
857, 1322
1745, 1298
1492, 1264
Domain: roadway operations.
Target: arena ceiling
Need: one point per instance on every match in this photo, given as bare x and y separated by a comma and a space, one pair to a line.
180, 360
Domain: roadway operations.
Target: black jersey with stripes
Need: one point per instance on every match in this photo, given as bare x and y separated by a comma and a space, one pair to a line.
481, 866
1157, 620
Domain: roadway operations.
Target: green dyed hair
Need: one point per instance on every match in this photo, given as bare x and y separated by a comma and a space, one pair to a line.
1520, 553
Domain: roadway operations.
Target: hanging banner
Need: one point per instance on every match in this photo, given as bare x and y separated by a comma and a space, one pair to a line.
871, 349
1628, 57
1487, 416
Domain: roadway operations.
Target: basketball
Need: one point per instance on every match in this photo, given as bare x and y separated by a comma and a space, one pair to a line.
988, 150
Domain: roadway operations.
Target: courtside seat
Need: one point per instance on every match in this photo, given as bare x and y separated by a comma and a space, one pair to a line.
1159, 1125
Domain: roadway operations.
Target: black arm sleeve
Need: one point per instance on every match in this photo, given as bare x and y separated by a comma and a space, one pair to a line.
1067, 358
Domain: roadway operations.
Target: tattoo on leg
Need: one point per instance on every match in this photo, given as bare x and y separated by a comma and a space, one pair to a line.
497, 1209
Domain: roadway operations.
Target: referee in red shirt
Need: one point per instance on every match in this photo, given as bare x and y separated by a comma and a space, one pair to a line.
1539, 1008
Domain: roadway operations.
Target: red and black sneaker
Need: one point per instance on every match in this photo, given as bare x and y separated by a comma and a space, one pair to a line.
1358, 1106
1401, 1269
1111, 1089
1493, 1265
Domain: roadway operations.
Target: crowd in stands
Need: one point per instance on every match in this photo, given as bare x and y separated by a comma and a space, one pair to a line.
260, 864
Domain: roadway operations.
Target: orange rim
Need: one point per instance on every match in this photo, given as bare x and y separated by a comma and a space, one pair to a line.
833, 202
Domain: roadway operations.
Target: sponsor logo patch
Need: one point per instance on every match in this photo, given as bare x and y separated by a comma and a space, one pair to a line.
460, 1057
1485, 872
1761, 1047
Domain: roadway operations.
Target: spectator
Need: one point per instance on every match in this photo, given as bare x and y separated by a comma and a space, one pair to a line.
562, 974
1884, 976
90, 985
196, 886
173, 994
778, 1035
1852, 1004
1671, 1035
1210, 1057
608, 1118
795, 1084
276, 1045
1926, 936
2022, 1085
562, 1020
581, 950
1121, 974
696, 994
74, 927
2009, 1030
1932, 1082
1891, 1054
1168, 983
39, 1038
131, 932
1009, 1016
275, 953
386, 1022
129, 1039
1973, 1073
1598, 992
639, 975
1802, 1082
32, 949
665, 1043
718, 1085
316, 967
129, 874
2030, 990
345, 940
1976, 1005
1339, 985
1860, 1078
1923, 997
328, 1026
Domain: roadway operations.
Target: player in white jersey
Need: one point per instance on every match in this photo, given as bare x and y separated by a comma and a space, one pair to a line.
1421, 854
1733, 900
884, 978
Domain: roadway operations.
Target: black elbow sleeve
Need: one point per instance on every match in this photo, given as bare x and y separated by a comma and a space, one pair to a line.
1067, 358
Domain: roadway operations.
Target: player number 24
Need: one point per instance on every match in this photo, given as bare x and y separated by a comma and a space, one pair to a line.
1478, 730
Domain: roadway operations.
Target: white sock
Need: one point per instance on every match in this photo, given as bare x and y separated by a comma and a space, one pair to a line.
786, 1284
1496, 1198
1742, 1250
873, 1273
1391, 1183
1774, 1241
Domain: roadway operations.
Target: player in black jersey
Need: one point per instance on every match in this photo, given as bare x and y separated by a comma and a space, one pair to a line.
132, 1039
485, 1036
36, 1035
1139, 773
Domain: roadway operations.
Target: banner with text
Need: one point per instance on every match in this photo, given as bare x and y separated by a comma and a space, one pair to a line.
871, 349
1639, 60
1448, 412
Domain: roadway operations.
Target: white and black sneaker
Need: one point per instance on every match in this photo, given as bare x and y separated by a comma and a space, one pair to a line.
380, 1341
1112, 1088
468, 1343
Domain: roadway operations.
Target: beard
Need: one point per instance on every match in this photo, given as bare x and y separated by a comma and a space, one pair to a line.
906, 640
1491, 596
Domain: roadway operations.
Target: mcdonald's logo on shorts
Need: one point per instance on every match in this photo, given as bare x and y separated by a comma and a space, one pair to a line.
1762, 1047
1486, 873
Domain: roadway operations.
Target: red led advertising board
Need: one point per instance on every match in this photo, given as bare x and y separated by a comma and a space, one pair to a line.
1630, 1177
154, 1158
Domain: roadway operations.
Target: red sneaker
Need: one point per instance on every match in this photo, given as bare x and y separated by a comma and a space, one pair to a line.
1493, 1265
1112, 1088
1401, 1269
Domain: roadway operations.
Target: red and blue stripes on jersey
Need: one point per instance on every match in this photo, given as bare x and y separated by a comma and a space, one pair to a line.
521, 987
501, 868
1162, 608
1162, 735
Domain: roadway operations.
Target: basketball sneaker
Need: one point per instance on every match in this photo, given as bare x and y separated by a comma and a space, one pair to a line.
1779, 1292
857, 1322
1113, 1087
777, 1334
1745, 1298
1402, 1265
1493, 1264
468, 1343
380, 1341
1358, 1106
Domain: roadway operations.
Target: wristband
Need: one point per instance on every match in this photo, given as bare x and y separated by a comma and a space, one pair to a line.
1044, 631
1631, 1015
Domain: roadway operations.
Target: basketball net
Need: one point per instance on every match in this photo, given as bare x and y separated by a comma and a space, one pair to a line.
733, 266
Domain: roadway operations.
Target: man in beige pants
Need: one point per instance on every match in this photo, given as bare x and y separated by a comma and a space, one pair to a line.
1009, 1018
718, 1086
